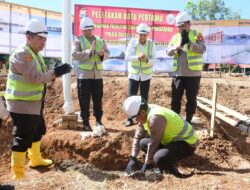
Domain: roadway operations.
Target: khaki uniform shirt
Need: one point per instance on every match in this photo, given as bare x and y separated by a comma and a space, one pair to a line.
80, 55
157, 126
19, 64
182, 64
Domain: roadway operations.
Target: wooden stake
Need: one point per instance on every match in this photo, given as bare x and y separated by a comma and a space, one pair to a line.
213, 109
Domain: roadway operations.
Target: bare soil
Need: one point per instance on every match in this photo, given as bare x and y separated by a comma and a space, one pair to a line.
98, 163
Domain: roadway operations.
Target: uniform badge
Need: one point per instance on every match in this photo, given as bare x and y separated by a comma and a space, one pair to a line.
27, 58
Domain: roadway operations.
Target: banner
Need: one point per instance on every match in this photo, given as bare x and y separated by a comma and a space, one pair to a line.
41, 16
38, 14
54, 40
19, 17
117, 26
13, 18
4, 28
227, 41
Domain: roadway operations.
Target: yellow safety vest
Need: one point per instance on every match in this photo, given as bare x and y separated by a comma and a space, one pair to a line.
176, 129
94, 59
18, 88
135, 66
195, 60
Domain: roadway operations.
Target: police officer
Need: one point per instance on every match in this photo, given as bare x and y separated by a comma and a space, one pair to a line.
25, 92
161, 133
140, 55
187, 47
89, 51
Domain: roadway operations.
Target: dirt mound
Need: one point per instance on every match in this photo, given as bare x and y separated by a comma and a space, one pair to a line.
5, 139
100, 152
5, 132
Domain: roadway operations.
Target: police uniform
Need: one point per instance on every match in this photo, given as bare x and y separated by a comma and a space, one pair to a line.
187, 71
25, 92
165, 138
89, 75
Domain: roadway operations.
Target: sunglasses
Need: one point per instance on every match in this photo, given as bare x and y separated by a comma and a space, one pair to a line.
183, 25
36, 33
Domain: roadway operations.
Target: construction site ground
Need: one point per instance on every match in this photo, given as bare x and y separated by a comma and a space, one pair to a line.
98, 163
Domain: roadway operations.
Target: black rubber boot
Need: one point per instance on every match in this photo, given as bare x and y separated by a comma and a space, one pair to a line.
174, 171
86, 126
98, 121
189, 118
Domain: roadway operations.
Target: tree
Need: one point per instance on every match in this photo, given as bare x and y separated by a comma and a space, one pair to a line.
210, 10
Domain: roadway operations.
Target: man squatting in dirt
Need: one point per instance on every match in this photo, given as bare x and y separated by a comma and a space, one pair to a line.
161, 133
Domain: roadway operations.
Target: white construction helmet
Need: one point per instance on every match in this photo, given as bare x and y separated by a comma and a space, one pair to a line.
181, 18
37, 27
142, 28
132, 105
86, 23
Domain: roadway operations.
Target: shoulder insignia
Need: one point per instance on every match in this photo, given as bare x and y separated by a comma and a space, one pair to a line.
27, 58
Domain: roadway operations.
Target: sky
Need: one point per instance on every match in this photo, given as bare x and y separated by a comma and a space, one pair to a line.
56, 5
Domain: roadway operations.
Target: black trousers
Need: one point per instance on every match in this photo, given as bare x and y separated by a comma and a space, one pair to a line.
27, 129
134, 86
168, 155
189, 84
86, 89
